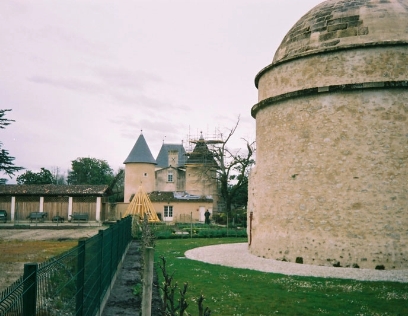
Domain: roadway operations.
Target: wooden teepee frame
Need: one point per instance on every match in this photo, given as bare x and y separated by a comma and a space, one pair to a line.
141, 206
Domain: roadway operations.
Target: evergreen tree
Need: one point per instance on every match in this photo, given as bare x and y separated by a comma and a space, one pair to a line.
90, 171
6, 161
42, 177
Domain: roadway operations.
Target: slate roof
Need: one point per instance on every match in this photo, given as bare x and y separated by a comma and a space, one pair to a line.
163, 156
53, 190
160, 196
140, 152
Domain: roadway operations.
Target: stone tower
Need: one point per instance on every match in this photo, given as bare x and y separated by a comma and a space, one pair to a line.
139, 169
331, 179
200, 171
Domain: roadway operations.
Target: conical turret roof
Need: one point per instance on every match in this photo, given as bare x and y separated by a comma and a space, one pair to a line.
140, 152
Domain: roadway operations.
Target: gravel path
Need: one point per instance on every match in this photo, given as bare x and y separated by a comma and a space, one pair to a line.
238, 256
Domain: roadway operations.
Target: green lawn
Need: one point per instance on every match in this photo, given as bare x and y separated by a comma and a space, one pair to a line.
231, 291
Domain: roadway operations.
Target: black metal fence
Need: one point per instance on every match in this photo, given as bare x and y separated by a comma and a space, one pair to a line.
77, 282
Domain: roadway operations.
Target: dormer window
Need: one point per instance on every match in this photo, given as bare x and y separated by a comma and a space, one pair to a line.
173, 157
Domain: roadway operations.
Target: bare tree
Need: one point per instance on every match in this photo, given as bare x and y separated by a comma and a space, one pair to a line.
232, 168
58, 178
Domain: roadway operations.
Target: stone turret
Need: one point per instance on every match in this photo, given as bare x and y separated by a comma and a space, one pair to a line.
200, 170
330, 184
139, 169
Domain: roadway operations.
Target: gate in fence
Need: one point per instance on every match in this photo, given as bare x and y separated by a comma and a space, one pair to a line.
77, 282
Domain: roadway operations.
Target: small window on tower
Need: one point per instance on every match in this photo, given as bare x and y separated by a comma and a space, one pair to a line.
145, 174
170, 176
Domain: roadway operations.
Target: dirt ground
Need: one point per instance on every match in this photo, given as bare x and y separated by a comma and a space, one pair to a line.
48, 234
122, 301
11, 271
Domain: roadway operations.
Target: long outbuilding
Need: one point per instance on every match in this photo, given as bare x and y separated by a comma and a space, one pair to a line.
55, 200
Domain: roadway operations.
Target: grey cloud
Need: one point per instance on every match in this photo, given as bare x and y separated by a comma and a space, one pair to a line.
68, 38
14, 8
122, 78
156, 129
125, 98
70, 84
151, 106
139, 100
125, 88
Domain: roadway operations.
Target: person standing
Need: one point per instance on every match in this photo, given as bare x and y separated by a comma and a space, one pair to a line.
207, 217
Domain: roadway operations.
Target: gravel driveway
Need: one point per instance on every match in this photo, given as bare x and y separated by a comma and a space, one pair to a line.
238, 256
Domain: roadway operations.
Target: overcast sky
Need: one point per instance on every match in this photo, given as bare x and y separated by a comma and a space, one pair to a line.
83, 77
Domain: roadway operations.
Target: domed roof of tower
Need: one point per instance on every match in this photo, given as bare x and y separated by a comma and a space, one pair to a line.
140, 152
341, 24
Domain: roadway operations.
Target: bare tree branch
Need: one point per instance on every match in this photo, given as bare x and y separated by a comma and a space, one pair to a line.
232, 167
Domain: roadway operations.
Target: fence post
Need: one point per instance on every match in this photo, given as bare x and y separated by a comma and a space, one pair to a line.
111, 254
129, 228
81, 278
118, 246
147, 281
100, 266
191, 225
30, 289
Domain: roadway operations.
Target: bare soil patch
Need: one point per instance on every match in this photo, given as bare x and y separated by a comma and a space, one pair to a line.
20, 246
33, 233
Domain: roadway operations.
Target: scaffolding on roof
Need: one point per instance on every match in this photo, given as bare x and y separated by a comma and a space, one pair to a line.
141, 206
208, 140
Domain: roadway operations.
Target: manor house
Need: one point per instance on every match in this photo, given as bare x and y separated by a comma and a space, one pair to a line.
181, 185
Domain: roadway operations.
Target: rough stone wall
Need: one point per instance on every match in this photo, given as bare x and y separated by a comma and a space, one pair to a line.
358, 65
330, 184
345, 23
178, 183
331, 181
200, 180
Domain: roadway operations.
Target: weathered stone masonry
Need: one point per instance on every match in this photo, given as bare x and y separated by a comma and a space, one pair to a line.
331, 179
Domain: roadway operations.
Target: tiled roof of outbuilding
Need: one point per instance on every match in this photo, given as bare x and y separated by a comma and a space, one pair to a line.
55, 190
